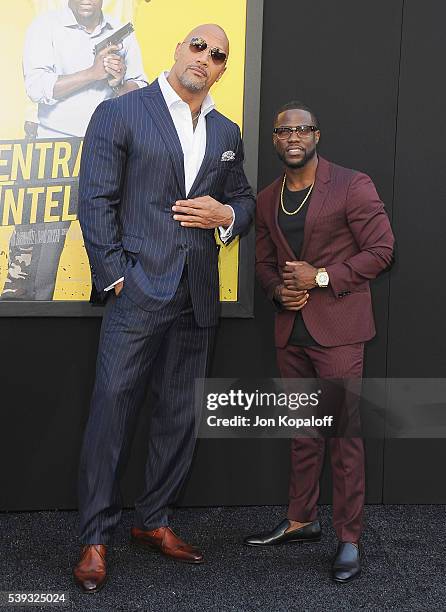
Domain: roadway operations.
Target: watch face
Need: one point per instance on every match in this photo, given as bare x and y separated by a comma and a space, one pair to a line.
322, 279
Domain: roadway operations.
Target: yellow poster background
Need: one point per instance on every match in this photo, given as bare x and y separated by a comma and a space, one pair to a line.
159, 25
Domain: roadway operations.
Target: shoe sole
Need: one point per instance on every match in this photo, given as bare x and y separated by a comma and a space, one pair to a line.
91, 591
294, 541
339, 581
155, 550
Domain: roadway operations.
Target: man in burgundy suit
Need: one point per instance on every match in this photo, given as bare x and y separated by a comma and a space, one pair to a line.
322, 235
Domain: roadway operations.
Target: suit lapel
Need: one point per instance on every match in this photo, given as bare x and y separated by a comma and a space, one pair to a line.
209, 155
154, 101
319, 195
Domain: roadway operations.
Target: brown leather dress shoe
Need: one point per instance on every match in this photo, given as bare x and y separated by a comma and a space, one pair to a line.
90, 573
165, 541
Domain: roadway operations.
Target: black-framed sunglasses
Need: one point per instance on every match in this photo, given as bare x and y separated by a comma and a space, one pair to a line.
284, 132
198, 44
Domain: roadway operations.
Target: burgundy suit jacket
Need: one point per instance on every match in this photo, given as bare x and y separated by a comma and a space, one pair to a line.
347, 231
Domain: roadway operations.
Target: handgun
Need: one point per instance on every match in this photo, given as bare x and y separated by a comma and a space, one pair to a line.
115, 38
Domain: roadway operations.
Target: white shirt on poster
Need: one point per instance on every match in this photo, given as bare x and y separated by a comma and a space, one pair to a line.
56, 45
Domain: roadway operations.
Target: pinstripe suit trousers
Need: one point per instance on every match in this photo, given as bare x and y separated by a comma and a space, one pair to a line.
167, 348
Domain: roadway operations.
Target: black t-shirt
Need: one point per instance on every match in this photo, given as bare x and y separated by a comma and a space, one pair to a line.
292, 227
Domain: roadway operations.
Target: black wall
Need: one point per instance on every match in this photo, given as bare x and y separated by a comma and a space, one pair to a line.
373, 72
417, 321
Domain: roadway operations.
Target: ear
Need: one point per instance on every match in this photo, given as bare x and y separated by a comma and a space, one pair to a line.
177, 50
317, 136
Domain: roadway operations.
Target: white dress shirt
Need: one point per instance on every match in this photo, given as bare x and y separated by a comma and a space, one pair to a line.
193, 142
56, 45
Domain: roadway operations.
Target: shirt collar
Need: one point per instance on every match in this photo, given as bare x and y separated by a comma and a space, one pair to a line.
69, 20
171, 97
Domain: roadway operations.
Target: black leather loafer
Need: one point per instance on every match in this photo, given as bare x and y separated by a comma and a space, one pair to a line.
279, 535
346, 564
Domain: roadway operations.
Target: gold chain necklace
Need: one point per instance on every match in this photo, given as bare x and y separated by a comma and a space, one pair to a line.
300, 206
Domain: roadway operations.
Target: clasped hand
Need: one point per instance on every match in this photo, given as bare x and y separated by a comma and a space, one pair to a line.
204, 212
299, 275
298, 279
109, 65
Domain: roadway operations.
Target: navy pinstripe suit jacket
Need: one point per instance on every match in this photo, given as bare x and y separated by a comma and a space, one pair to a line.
132, 172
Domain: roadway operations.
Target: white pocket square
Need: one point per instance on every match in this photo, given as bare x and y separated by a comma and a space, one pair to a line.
228, 156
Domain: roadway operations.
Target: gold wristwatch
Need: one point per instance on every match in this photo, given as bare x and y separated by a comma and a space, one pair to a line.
322, 279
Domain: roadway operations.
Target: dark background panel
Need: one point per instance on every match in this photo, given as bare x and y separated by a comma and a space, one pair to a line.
414, 472
418, 294
341, 59
417, 329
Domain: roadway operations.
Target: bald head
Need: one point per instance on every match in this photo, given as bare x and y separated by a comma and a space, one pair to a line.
214, 31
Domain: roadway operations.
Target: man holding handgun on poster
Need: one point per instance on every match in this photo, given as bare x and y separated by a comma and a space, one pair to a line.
65, 76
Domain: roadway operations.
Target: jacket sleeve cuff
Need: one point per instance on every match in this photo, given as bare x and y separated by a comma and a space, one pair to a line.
226, 232
337, 286
114, 284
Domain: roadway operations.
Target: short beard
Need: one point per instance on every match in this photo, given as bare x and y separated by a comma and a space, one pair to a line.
192, 86
308, 156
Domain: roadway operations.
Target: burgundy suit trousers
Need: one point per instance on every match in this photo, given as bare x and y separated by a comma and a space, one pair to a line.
307, 454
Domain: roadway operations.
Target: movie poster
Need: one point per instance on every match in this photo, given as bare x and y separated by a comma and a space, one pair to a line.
42, 256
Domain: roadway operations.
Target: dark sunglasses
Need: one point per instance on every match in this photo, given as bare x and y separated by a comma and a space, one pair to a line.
197, 45
303, 130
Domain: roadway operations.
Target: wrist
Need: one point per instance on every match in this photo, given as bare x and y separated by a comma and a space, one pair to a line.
229, 217
91, 75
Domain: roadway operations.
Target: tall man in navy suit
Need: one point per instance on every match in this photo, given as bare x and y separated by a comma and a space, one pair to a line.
161, 169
